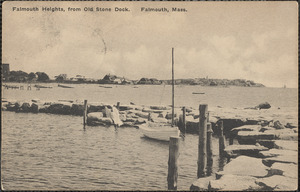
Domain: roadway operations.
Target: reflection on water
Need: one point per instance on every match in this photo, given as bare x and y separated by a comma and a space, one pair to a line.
44, 151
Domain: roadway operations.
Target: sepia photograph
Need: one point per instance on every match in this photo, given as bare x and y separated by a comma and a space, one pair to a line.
148, 96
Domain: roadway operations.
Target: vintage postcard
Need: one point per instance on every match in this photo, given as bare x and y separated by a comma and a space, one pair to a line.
149, 95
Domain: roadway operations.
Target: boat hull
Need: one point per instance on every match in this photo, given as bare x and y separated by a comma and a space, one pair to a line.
160, 133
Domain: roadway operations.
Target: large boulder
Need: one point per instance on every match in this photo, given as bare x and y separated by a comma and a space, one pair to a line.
287, 145
234, 183
264, 105
281, 159
248, 150
277, 152
25, 107
250, 137
245, 166
34, 108
285, 169
278, 182
160, 107
96, 118
201, 184
77, 109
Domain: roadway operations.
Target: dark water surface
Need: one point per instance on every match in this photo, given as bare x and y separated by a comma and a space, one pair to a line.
44, 151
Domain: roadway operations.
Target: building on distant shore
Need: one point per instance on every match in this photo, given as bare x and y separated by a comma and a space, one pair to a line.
5, 71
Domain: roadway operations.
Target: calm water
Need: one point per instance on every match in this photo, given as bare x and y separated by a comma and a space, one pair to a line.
44, 151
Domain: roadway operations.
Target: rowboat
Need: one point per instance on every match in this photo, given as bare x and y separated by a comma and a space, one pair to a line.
198, 93
64, 86
159, 131
41, 86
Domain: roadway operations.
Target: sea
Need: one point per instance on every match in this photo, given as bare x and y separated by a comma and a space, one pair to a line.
54, 152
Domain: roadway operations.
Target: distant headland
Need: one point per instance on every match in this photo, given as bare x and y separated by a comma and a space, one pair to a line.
21, 76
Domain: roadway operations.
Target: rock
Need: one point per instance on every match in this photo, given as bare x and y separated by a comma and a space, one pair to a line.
139, 121
250, 137
160, 107
266, 143
77, 109
244, 166
25, 107
130, 119
128, 124
277, 152
201, 184
94, 116
288, 136
245, 128
285, 169
95, 108
159, 120
126, 107
291, 125
264, 105
278, 125
234, 183
34, 108
281, 159
277, 182
248, 150
229, 123
122, 117
169, 115
289, 145
142, 115
44, 108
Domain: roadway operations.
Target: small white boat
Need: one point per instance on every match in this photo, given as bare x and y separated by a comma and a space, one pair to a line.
158, 131
162, 131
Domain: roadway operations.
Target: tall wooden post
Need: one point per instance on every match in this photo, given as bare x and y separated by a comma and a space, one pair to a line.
173, 87
84, 113
173, 163
183, 120
221, 139
209, 149
202, 140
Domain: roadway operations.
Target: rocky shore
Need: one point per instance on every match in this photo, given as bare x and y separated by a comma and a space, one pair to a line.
132, 115
264, 158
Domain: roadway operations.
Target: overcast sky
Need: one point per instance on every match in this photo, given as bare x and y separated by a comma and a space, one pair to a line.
248, 40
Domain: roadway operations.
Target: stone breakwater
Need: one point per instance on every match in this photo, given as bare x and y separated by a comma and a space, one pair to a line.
263, 158
133, 115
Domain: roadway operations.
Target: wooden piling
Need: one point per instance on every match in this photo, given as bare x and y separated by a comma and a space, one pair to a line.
230, 139
209, 146
118, 105
221, 138
183, 120
202, 140
173, 163
84, 113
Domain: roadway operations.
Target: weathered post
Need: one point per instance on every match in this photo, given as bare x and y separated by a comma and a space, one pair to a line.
202, 140
173, 163
118, 105
183, 120
209, 149
230, 139
221, 139
84, 113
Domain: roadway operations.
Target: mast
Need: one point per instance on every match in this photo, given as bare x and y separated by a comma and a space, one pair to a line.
172, 87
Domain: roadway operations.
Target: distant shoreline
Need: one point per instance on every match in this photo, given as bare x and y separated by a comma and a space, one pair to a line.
192, 82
